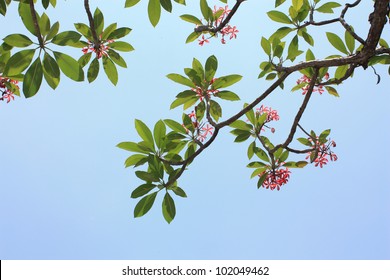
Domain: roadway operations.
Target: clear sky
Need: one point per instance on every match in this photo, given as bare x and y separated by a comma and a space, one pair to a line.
65, 194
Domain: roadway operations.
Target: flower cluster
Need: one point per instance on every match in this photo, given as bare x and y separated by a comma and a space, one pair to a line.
272, 115
99, 49
324, 153
305, 79
202, 129
201, 94
275, 178
228, 31
6, 92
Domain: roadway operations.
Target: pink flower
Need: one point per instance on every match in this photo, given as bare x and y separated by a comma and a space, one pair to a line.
307, 80
5, 90
275, 178
99, 49
203, 41
272, 115
324, 153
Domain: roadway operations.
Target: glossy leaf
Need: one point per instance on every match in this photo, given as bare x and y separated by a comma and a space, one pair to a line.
142, 190
110, 70
191, 19
33, 79
154, 11
279, 17
66, 38
69, 66
18, 62
51, 71
18, 40
144, 132
168, 208
144, 205
226, 81
336, 42
93, 70
131, 3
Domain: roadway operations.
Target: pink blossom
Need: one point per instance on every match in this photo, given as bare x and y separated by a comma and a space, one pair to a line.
6, 93
275, 178
307, 80
202, 41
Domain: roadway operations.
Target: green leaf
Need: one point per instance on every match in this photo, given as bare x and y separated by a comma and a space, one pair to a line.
239, 124
328, 7
211, 67
191, 19
84, 29
98, 19
336, 42
25, 13
225, 81
18, 62
293, 164
350, 41
266, 45
192, 37
69, 66
135, 160
116, 58
154, 11
251, 150
144, 132
167, 5
121, 46
131, 3
228, 95
44, 24
206, 11
142, 190
51, 71
18, 40
93, 70
119, 33
110, 70
175, 126
215, 110
66, 38
179, 191
181, 80
332, 91
84, 59
262, 154
3, 7
146, 176
132, 147
53, 31
144, 205
258, 171
33, 79
168, 208
159, 133
108, 30
279, 17
305, 141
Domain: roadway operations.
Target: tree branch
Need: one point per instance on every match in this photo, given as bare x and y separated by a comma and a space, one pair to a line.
92, 24
36, 25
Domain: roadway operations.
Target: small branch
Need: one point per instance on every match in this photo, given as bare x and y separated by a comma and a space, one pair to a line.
91, 24
36, 25
255, 102
299, 113
203, 28
299, 151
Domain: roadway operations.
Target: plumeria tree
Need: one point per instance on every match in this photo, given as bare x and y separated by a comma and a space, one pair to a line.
167, 149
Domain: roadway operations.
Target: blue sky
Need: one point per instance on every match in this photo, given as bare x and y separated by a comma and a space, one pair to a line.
65, 194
